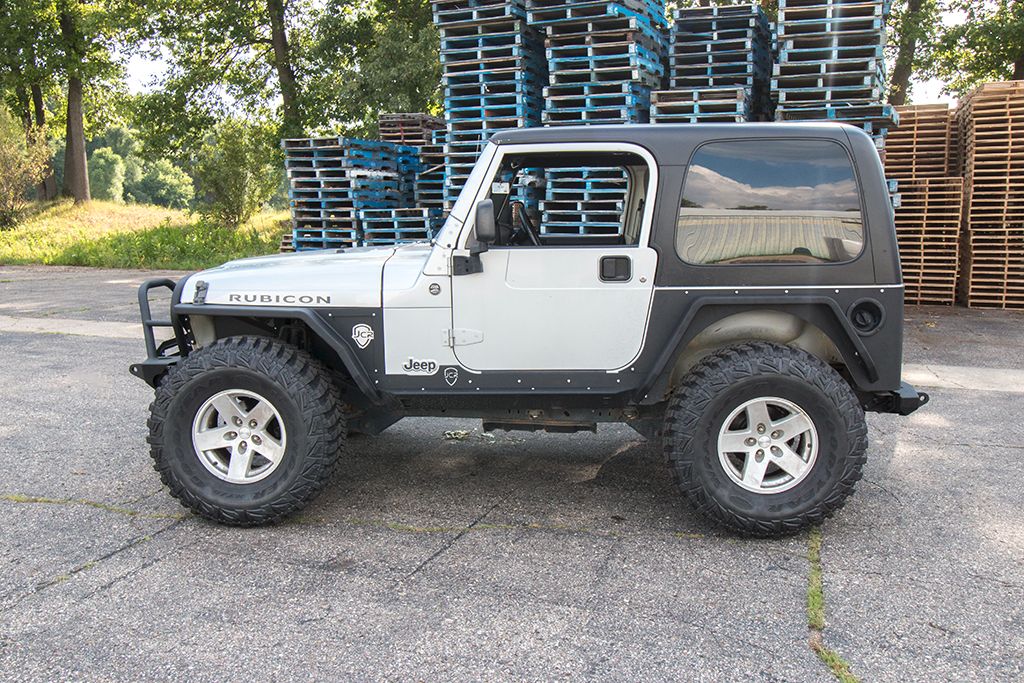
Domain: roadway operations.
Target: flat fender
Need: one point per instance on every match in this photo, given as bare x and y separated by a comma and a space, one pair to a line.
822, 312
316, 324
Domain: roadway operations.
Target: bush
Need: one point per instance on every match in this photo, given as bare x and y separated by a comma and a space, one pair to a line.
106, 175
160, 182
119, 139
22, 164
236, 174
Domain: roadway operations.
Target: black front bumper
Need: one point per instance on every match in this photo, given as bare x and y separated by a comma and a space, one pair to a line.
163, 356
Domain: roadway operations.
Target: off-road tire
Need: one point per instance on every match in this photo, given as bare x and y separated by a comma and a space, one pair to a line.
309, 403
723, 381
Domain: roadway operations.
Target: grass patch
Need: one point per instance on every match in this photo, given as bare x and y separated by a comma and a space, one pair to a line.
108, 235
815, 594
839, 667
41, 500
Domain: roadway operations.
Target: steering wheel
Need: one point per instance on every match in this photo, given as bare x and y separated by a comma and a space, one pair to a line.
524, 224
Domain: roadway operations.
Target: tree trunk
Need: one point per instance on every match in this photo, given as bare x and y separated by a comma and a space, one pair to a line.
76, 170
47, 189
1018, 69
285, 73
910, 29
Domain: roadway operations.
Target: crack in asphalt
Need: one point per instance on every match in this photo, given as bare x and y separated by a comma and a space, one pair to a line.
61, 578
454, 540
137, 570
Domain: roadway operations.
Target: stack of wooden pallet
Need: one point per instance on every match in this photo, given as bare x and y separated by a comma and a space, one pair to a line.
493, 70
409, 128
398, 226
991, 121
923, 146
921, 156
719, 66
831, 64
603, 60
430, 181
332, 179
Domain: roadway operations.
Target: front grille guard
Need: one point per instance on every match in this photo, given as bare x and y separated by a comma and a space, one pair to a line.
176, 345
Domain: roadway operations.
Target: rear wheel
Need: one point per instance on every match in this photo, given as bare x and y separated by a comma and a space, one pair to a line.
765, 439
246, 430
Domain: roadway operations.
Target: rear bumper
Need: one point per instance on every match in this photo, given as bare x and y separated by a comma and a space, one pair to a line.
903, 401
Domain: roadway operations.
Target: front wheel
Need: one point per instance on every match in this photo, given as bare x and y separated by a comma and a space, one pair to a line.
246, 430
765, 439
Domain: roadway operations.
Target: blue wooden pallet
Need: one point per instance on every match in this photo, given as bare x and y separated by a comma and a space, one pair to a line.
478, 15
573, 12
598, 101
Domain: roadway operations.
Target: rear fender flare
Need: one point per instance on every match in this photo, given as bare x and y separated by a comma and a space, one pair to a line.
822, 312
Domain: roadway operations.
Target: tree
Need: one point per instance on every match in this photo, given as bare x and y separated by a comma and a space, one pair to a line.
22, 164
382, 59
244, 49
914, 22
93, 34
236, 173
106, 175
27, 63
988, 45
159, 182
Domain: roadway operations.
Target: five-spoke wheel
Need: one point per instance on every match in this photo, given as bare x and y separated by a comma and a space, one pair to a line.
239, 436
764, 438
246, 430
768, 445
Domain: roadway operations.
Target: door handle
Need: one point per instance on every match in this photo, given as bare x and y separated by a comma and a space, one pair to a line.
616, 269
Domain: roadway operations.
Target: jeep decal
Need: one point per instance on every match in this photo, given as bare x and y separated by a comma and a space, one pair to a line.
420, 367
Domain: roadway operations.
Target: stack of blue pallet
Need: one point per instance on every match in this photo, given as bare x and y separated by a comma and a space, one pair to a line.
430, 181
493, 73
720, 65
831, 64
398, 226
331, 180
409, 167
584, 201
603, 59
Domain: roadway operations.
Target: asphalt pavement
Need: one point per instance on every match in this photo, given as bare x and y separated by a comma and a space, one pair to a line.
441, 553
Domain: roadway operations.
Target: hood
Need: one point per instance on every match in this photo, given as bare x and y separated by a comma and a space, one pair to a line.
346, 278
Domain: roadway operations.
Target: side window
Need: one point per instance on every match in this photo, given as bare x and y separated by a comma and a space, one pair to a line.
569, 199
770, 202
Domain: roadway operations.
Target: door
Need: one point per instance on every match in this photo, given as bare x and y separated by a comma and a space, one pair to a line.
575, 301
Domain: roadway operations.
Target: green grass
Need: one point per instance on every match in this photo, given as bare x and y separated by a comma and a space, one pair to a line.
816, 613
108, 235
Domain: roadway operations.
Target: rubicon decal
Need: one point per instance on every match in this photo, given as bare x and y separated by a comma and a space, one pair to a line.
420, 367
362, 335
280, 299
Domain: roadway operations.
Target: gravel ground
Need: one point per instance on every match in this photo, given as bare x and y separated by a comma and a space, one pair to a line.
507, 557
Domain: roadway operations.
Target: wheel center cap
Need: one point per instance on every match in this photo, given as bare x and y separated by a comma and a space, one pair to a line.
245, 432
764, 441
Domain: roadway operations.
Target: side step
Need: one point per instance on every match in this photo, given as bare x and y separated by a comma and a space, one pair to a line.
555, 427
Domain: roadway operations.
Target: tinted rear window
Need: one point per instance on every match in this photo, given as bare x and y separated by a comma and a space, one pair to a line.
770, 202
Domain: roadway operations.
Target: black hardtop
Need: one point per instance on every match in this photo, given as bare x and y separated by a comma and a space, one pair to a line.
667, 141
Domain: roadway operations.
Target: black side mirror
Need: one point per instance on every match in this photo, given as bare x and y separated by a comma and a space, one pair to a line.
485, 230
